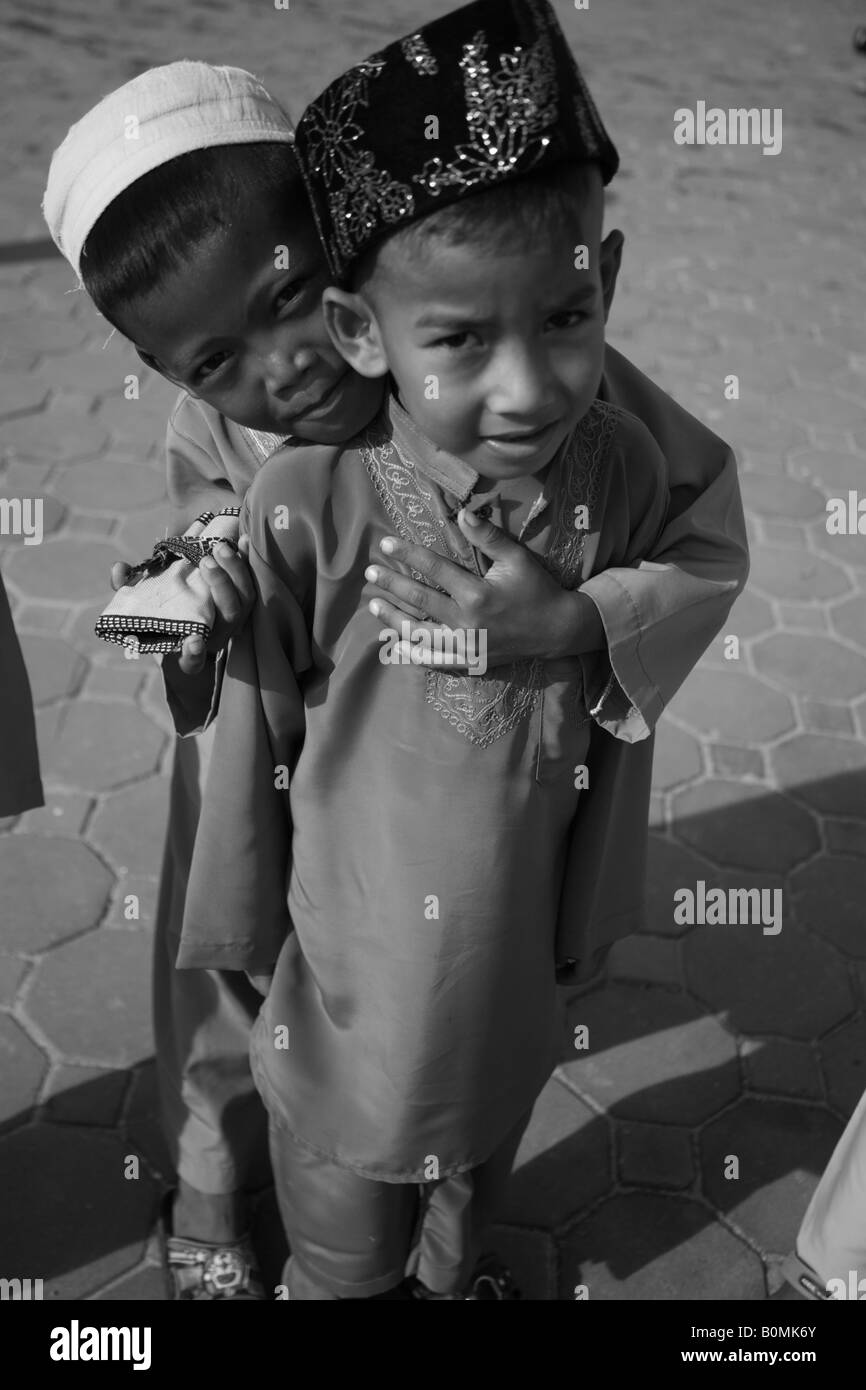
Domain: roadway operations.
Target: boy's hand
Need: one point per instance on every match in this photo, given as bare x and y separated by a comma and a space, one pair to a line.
227, 575
518, 603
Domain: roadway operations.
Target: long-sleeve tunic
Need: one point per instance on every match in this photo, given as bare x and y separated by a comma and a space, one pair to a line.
409, 846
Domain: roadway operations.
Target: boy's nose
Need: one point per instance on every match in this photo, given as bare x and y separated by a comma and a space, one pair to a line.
522, 384
283, 370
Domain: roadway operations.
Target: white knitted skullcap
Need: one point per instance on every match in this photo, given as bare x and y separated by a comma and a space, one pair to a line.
163, 113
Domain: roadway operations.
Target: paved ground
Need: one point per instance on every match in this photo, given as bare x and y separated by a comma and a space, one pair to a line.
705, 1042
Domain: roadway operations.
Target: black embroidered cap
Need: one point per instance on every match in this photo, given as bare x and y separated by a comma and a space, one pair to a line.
508, 99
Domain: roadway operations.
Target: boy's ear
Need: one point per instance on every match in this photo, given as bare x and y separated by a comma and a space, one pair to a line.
611, 260
354, 331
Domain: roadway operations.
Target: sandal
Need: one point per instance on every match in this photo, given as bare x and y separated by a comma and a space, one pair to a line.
204, 1270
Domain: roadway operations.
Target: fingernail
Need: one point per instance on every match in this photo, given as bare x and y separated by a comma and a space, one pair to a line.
196, 645
209, 563
224, 550
470, 518
388, 545
372, 574
375, 609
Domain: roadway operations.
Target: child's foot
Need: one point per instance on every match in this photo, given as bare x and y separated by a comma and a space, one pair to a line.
201, 1267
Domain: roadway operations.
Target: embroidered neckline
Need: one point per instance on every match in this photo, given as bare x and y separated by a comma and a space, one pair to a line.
483, 708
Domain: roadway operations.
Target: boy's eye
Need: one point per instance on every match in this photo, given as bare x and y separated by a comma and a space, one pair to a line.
210, 365
567, 318
288, 293
453, 340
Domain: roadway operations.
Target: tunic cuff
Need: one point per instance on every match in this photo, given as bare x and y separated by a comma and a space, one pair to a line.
620, 695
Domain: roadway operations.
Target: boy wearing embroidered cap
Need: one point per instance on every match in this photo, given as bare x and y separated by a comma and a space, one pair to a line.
415, 854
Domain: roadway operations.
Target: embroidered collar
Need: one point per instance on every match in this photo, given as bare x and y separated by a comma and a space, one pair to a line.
450, 472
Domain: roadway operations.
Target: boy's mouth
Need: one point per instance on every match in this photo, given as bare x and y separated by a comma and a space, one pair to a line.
316, 406
517, 444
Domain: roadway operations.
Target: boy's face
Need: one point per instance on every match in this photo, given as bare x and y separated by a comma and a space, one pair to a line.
496, 354
241, 328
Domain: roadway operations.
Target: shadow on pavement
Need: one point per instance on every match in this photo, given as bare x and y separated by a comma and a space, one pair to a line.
705, 1042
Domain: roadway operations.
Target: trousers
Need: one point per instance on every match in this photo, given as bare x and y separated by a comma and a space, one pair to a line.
354, 1237
214, 1122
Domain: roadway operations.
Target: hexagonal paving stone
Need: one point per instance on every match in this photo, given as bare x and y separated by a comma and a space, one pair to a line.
677, 756
12, 975
789, 984
91, 997
563, 1163
52, 888
101, 744
54, 668
651, 959
828, 897
777, 1066
30, 518
655, 1156
669, 866
90, 1222
849, 620
784, 497
827, 773
138, 533
744, 826
814, 665
85, 1095
64, 569
55, 434
834, 472
653, 1055
845, 550
531, 1257
22, 1067
843, 1057
100, 485
639, 1246
796, 574
729, 761
129, 827
782, 1150
143, 1123
733, 706
808, 404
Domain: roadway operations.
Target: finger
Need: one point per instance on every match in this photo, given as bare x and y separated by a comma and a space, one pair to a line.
412, 597
237, 568
192, 656
436, 569
419, 655
231, 605
119, 575
491, 540
387, 613
244, 546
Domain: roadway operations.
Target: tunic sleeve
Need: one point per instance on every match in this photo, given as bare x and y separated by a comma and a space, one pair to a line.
661, 613
236, 915
196, 483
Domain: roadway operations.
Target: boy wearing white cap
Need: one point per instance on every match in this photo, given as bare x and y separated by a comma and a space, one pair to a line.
257, 365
